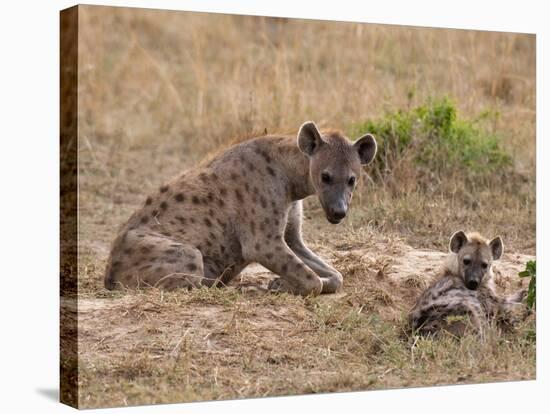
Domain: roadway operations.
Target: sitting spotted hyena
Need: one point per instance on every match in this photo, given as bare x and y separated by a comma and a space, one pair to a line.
243, 206
466, 288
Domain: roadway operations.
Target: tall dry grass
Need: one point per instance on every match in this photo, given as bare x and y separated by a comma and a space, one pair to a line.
159, 89
154, 76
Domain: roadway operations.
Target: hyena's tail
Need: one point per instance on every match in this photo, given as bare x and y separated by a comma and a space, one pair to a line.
109, 280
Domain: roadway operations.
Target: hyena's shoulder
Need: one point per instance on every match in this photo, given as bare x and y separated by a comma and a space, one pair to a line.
441, 287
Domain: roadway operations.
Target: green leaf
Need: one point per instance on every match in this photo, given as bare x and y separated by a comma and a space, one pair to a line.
530, 271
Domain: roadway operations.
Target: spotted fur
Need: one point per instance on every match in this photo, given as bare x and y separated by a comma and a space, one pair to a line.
466, 290
242, 206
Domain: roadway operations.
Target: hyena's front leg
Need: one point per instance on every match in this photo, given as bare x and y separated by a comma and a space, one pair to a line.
295, 276
331, 278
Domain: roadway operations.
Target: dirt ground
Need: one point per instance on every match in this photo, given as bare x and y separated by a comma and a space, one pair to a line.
159, 90
241, 341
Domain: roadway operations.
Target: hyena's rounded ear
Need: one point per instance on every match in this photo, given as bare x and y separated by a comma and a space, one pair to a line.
458, 240
366, 148
309, 138
497, 247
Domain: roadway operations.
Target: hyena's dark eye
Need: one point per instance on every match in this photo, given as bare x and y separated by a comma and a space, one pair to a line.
325, 178
484, 265
466, 262
351, 181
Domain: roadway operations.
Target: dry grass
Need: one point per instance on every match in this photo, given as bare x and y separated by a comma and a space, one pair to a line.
158, 90
152, 346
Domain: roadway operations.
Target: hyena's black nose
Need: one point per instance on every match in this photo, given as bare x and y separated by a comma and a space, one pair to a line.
338, 213
472, 284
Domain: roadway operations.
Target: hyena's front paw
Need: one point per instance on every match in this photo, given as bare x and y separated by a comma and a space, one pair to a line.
279, 285
179, 281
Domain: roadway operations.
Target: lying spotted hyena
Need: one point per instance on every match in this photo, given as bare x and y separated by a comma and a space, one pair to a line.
243, 206
466, 288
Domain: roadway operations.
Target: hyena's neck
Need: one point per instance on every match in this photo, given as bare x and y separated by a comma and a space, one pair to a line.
489, 279
296, 166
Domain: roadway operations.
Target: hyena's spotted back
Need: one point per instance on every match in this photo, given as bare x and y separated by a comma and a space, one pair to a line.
448, 297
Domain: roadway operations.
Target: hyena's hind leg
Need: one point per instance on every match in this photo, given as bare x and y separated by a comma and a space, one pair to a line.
517, 297
512, 309
151, 260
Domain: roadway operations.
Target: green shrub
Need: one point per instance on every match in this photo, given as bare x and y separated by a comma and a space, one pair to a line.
437, 142
531, 271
